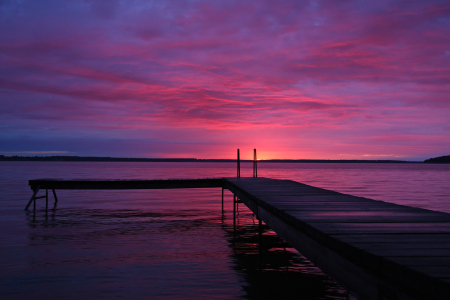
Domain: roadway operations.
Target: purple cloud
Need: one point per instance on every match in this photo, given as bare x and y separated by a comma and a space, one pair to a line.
354, 74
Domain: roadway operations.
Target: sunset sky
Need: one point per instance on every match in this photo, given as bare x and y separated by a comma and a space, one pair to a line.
199, 79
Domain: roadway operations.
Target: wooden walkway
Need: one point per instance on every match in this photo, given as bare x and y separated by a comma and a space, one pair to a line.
377, 250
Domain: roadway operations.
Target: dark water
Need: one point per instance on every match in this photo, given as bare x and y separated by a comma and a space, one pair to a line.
175, 243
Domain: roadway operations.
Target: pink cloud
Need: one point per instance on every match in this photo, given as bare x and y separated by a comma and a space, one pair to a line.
274, 71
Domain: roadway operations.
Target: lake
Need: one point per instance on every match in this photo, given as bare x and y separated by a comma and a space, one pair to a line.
176, 244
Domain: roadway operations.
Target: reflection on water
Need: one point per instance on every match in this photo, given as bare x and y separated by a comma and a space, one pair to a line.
161, 252
272, 269
124, 253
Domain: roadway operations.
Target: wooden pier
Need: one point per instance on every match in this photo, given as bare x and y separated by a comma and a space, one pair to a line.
124, 184
376, 249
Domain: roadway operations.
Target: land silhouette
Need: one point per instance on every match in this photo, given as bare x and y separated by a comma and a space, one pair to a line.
438, 160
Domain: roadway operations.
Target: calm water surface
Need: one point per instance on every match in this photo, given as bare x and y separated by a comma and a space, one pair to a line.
157, 244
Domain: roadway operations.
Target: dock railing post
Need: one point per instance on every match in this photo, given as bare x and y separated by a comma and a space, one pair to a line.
238, 165
255, 167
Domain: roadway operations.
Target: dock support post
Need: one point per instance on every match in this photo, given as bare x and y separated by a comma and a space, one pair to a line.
56, 199
260, 244
32, 198
46, 199
234, 211
234, 218
238, 165
222, 200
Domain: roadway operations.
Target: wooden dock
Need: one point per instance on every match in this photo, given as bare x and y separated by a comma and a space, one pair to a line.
376, 249
118, 184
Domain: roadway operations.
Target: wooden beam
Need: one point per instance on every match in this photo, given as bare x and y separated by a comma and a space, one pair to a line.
35, 191
95, 184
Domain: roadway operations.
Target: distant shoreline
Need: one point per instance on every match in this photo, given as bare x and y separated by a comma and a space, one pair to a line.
129, 159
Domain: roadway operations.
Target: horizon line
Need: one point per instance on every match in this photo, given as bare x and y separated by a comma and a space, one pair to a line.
187, 159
